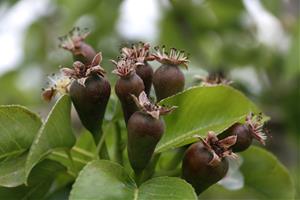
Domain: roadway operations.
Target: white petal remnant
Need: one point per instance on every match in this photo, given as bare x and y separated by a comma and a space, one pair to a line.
58, 85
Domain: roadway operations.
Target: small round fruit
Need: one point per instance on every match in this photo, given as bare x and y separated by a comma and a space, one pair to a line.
144, 132
168, 78
196, 168
244, 137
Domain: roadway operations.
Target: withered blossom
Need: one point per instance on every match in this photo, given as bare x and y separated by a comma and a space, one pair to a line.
124, 67
152, 109
73, 40
219, 148
140, 53
256, 124
81, 71
58, 85
213, 79
174, 57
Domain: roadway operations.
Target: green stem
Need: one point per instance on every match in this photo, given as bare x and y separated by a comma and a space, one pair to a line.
149, 171
138, 178
73, 166
83, 152
102, 151
173, 173
177, 158
119, 146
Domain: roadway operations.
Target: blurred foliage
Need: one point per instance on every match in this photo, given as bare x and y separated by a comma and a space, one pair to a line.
213, 32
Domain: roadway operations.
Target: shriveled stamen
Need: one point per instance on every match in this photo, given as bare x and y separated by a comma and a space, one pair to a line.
219, 148
124, 67
256, 125
152, 109
174, 57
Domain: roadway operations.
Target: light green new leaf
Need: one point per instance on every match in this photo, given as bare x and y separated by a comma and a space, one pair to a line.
55, 133
202, 109
18, 126
102, 180
265, 178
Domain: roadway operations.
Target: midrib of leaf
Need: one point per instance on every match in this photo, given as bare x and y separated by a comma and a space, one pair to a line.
12, 153
188, 134
136, 194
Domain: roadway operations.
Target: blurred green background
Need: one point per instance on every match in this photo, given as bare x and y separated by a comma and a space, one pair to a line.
254, 43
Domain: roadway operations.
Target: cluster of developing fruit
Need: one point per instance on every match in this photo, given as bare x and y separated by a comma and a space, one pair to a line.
204, 162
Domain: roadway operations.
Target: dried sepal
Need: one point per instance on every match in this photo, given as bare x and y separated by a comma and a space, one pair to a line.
80, 71
58, 85
174, 57
152, 109
256, 124
219, 148
213, 79
139, 53
124, 67
73, 40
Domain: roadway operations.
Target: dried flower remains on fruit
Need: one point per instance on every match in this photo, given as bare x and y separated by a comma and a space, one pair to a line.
256, 124
124, 67
80, 71
174, 57
139, 53
152, 109
213, 79
219, 148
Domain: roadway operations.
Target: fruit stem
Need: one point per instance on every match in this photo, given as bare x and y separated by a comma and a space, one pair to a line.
73, 167
119, 146
173, 173
176, 159
149, 171
138, 177
101, 150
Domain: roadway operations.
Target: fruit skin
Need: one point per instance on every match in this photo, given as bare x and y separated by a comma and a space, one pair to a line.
144, 132
90, 102
244, 137
197, 171
84, 53
124, 88
168, 80
145, 72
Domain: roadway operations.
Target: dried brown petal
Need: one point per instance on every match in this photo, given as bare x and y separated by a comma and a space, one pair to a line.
154, 110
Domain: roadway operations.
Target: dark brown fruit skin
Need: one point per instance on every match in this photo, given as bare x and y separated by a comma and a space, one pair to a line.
86, 55
144, 132
145, 72
90, 102
244, 138
168, 80
125, 86
197, 172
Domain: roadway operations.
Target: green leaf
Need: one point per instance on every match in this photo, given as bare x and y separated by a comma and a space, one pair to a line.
202, 109
18, 126
265, 178
55, 133
39, 182
12, 172
107, 180
83, 152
